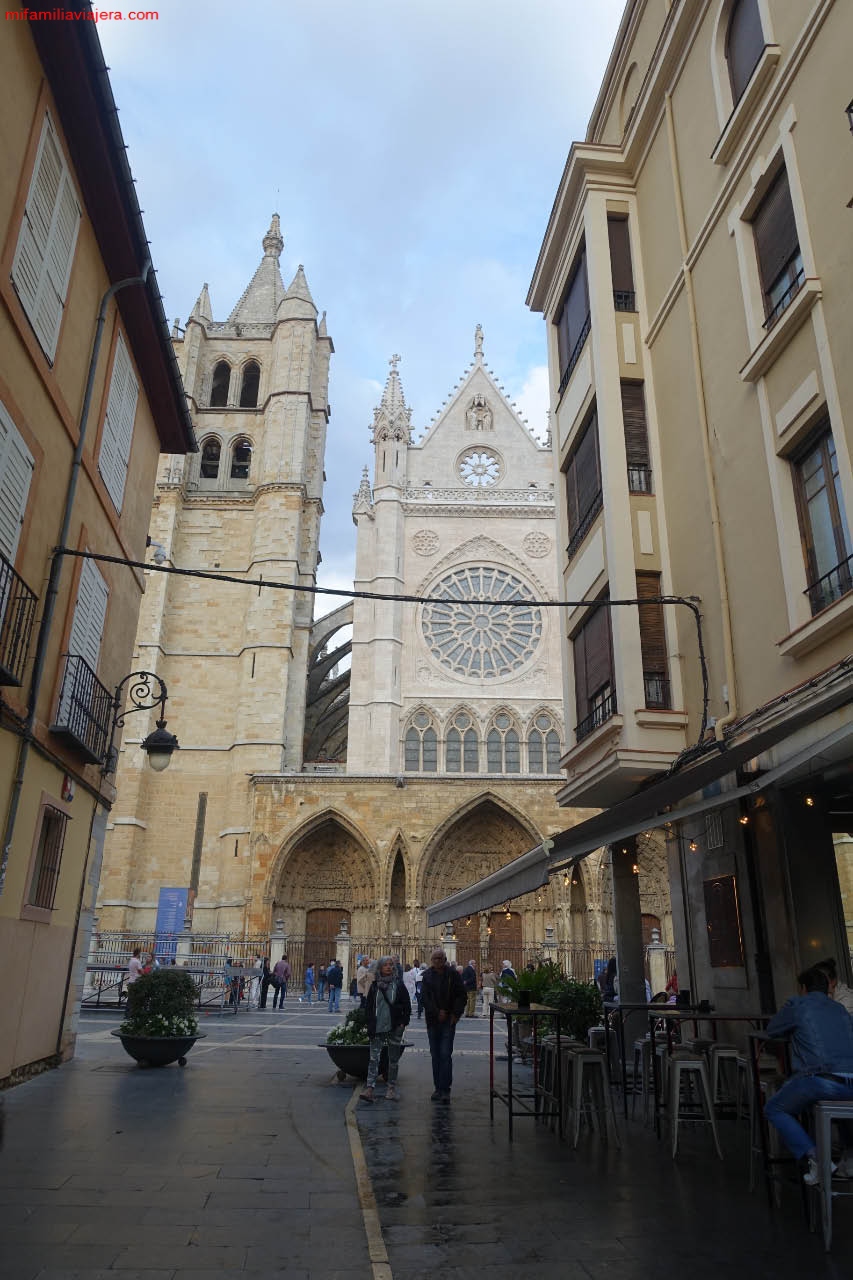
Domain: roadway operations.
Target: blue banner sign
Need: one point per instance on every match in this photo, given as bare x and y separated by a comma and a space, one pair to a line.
171, 913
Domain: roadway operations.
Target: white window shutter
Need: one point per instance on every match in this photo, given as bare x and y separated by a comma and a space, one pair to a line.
118, 424
41, 267
16, 472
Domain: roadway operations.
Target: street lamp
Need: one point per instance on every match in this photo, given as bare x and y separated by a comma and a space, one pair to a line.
143, 695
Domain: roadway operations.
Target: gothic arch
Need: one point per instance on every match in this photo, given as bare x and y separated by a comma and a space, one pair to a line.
399, 847
476, 839
328, 863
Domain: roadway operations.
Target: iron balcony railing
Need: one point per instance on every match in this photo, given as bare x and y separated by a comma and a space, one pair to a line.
786, 298
831, 587
584, 525
640, 479
604, 708
624, 300
17, 612
85, 712
656, 686
575, 356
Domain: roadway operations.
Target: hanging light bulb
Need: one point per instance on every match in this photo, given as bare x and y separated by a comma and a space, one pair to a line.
467, 920
635, 869
566, 880
809, 800
744, 819
693, 846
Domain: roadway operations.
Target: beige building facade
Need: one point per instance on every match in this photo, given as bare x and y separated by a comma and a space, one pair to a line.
695, 278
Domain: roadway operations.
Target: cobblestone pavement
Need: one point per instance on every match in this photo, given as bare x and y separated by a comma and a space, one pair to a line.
240, 1166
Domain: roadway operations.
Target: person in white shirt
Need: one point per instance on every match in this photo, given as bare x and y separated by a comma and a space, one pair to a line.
134, 966
839, 991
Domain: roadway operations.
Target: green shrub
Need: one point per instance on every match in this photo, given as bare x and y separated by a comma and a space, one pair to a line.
353, 1029
161, 1003
537, 981
579, 1004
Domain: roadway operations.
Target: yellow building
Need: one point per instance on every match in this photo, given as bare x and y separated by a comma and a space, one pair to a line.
695, 280
89, 396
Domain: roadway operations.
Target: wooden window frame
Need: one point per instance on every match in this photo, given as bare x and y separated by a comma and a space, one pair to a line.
579, 521
777, 248
572, 318
653, 644
822, 438
594, 695
636, 428
621, 262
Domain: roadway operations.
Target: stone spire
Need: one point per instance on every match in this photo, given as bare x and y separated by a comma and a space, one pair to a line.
297, 302
265, 291
392, 420
202, 309
322, 331
362, 501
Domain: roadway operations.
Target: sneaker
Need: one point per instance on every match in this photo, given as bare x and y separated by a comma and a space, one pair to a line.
812, 1175
391, 1094
436, 1095
366, 1095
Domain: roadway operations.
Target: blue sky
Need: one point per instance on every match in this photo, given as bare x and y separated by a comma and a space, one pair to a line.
413, 151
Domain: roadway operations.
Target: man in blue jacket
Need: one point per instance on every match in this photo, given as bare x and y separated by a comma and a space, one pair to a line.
821, 1035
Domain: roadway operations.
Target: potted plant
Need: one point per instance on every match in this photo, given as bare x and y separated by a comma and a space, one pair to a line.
527, 988
348, 1045
160, 1026
579, 1004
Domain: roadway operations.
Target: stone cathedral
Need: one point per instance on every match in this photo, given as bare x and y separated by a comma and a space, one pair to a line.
340, 773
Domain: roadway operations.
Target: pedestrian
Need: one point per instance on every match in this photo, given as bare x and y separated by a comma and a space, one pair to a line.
411, 976
444, 1000
281, 975
321, 982
255, 988
507, 973
266, 979
364, 979
469, 982
607, 980
821, 1032
388, 1012
334, 981
419, 970
308, 984
134, 966
490, 983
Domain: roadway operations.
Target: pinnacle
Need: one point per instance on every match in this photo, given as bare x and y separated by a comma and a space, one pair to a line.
298, 287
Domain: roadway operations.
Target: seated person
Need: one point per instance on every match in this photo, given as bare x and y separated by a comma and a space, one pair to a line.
821, 1036
838, 990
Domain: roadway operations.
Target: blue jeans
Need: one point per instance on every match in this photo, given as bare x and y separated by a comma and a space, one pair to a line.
392, 1040
795, 1097
334, 999
441, 1036
309, 991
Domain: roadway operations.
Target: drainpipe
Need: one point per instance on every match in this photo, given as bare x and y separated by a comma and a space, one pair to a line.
719, 558
55, 573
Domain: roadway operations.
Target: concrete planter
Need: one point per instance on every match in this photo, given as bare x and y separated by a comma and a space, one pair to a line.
158, 1051
353, 1059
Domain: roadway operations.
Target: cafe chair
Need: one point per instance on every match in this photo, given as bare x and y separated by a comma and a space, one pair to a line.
824, 1114
587, 1092
689, 1072
723, 1062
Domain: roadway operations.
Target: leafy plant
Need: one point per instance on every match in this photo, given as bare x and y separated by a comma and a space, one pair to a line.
353, 1029
537, 981
579, 1004
161, 1003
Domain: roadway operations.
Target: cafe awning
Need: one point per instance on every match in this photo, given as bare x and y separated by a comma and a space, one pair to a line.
649, 808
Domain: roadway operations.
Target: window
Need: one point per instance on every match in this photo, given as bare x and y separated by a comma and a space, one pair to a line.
81, 690
543, 746
621, 269
41, 267
780, 263
503, 746
653, 643
421, 745
45, 877
249, 388
583, 485
118, 424
636, 437
744, 44
595, 696
462, 752
572, 320
241, 460
823, 523
219, 386
210, 454
16, 473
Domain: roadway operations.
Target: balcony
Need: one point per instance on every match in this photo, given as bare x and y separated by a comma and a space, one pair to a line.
584, 525
831, 587
604, 708
624, 300
84, 718
17, 612
656, 687
640, 480
575, 356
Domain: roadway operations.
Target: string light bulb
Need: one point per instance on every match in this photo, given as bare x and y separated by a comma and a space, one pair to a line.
693, 846
566, 880
467, 920
635, 869
809, 800
744, 819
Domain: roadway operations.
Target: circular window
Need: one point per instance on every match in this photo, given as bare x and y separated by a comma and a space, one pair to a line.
480, 467
474, 632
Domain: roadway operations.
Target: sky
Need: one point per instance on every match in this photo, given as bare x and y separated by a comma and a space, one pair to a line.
412, 150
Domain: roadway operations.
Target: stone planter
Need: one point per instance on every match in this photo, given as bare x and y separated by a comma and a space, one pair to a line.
158, 1051
353, 1059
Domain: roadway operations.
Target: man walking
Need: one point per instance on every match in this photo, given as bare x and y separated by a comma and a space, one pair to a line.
469, 982
443, 997
280, 978
334, 981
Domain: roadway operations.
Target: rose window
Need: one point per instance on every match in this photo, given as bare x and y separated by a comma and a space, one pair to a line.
474, 631
480, 468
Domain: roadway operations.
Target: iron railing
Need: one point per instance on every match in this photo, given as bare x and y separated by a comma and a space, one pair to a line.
602, 711
640, 479
17, 612
831, 587
786, 299
584, 525
624, 300
656, 686
85, 713
575, 356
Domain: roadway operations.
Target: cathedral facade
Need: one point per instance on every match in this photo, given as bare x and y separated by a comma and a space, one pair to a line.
338, 774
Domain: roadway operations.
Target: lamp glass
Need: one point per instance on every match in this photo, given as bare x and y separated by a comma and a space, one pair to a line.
159, 760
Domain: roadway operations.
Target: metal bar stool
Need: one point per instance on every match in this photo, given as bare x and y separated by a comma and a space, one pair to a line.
590, 1095
685, 1070
824, 1114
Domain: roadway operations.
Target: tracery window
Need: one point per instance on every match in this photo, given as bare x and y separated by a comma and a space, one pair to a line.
249, 385
219, 386
480, 468
421, 745
210, 454
503, 746
462, 749
473, 632
543, 746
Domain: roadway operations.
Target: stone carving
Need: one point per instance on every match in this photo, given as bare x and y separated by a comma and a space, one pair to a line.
425, 542
480, 468
536, 545
478, 416
476, 641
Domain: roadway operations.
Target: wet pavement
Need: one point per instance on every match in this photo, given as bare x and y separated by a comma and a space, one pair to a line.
241, 1166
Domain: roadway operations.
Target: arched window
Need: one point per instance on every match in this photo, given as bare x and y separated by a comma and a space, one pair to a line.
249, 386
462, 752
220, 384
543, 746
744, 44
241, 460
503, 748
421, 745
210, 453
